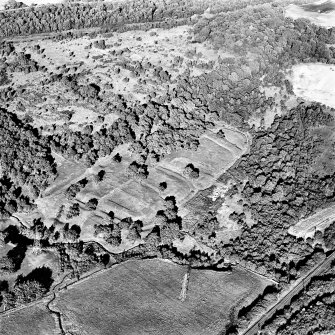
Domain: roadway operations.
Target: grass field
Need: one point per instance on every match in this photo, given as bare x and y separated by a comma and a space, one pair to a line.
142, 297
35, 320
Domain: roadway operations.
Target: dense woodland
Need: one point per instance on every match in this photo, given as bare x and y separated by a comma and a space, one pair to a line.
231, 92
285, 183
282, 186
108, 16
26, 163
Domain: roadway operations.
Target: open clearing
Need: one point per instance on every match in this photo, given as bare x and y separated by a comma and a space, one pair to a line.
214, 155
142, 297
319, 221
127, 197
315, 82
317, 15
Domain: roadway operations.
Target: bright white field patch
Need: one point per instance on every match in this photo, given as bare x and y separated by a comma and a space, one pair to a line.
324, 19
319, 221
31, 2
315, 82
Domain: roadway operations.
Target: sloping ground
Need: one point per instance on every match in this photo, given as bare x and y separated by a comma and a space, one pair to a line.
319, 14
142, 297
320, 220
214, 155
35, 320
315, 82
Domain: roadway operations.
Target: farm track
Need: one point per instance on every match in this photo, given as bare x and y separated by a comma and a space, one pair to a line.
255, 273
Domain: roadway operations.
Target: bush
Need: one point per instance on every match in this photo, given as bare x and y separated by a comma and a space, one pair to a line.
92, 204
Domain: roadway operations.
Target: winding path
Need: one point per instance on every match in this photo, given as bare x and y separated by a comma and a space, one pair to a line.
55, 313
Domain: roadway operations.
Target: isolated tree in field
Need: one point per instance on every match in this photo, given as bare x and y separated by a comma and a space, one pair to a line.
162, 186
99, 176
221, 133
117, 158
92, 204
111, 215
191, 172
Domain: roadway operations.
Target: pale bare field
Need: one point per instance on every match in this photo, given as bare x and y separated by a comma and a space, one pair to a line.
321, 19
33, 261
319, 221
314, 82
188, 243
142, 297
